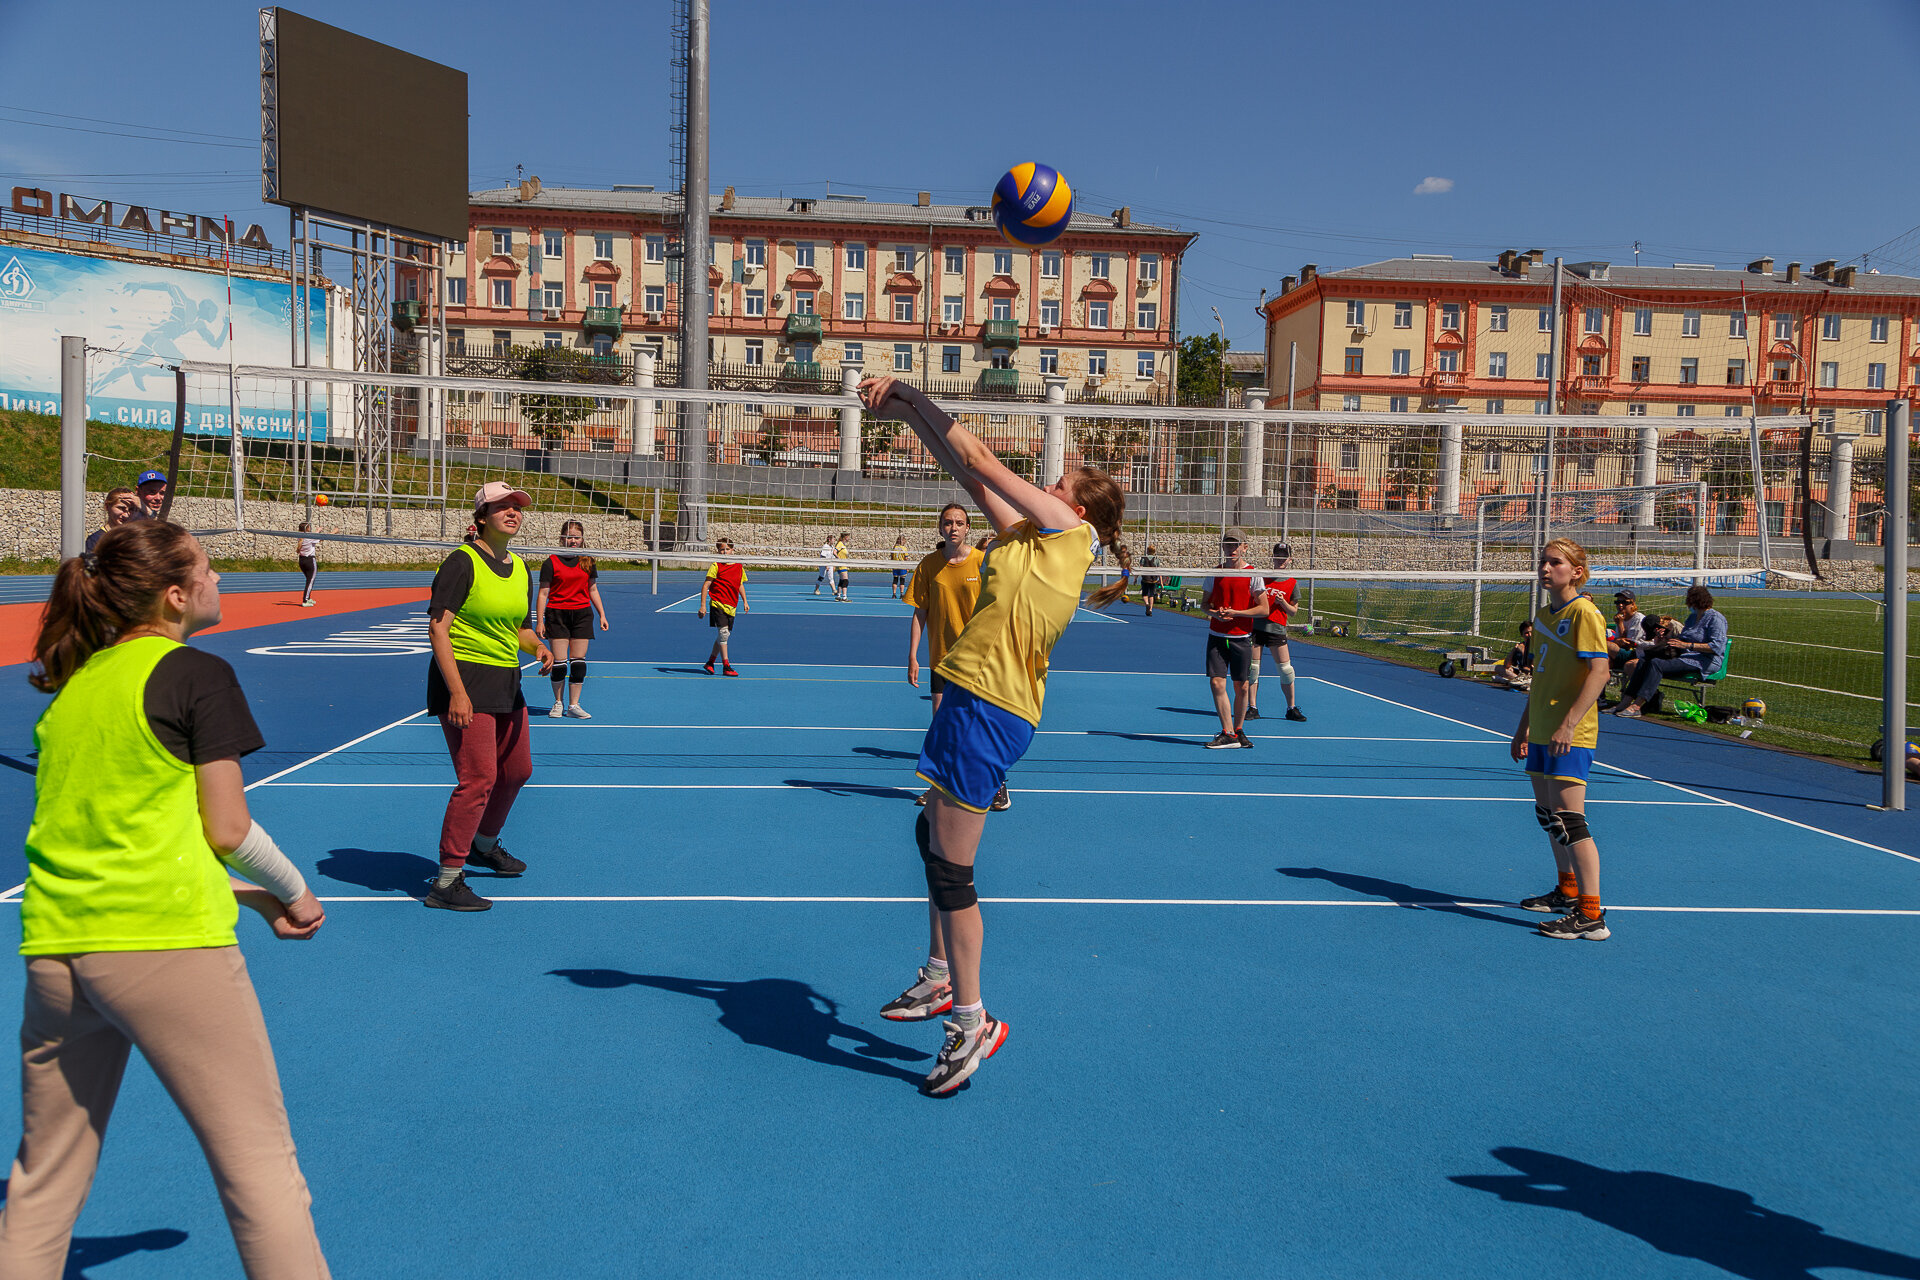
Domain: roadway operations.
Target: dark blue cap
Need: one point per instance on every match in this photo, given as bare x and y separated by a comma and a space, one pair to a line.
149, 477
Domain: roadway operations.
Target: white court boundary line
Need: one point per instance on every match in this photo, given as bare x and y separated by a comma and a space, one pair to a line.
572, 726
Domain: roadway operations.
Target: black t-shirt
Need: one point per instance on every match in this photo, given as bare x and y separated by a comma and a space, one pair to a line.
492, 690
195, 707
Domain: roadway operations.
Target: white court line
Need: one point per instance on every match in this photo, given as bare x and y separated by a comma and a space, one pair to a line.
273, 777
1731, 804
8, 895
682, 600
573, 726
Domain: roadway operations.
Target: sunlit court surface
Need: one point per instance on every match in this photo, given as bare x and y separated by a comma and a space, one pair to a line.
1273, 1011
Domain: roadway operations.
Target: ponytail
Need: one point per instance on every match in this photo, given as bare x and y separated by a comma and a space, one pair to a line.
1095, 492
99, 596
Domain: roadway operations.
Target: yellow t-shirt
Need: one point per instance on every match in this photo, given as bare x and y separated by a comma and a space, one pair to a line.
840, 550
1564, 640
1029, 588
948, 593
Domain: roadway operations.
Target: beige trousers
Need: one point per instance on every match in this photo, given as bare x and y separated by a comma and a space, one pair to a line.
197, 1022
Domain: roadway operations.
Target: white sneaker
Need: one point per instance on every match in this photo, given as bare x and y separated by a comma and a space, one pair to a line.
306, 604
963, 1053
578, 712
559, 709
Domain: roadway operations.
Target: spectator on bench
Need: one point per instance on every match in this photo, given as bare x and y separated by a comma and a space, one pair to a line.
1517, 671
1697, 650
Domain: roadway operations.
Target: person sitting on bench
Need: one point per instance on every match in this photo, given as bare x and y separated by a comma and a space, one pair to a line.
1702, 639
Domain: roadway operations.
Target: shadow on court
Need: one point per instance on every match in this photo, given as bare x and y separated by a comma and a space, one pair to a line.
853, 788
1174, 739
1193, 711
381, 870
1717, 1225
884, 753
95, 1251
1404, 895
773, 1013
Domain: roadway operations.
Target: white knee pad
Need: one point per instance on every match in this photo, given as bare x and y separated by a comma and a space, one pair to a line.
1286, 673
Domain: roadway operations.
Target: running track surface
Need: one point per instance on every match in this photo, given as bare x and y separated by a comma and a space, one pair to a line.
1269, 1013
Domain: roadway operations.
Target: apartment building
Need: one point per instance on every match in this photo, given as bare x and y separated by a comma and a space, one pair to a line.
801, 285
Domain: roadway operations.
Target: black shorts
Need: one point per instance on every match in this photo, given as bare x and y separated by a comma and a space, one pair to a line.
1267, 637
936, 683
1149, 589
718, 617
569, 624
1230, 657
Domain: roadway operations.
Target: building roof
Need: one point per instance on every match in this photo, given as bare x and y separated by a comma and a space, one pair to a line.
1247, 361
800, 209
1617, 277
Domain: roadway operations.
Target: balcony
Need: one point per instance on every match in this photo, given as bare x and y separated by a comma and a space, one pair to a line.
1591, 384
1782, 388
1000, 333
804, 327
602, 320
408, 314
1006, 381
808, 370
1446, 380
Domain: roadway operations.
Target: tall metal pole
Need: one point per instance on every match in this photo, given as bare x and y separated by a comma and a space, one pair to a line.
73, 446
1555, 345
1760, 493
690, 522
1286, 479
1893, 683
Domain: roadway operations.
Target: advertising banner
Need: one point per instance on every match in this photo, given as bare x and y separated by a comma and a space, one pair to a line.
143, 318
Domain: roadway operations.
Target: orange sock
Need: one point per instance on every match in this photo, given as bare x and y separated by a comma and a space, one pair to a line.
1570, 884
1590, 905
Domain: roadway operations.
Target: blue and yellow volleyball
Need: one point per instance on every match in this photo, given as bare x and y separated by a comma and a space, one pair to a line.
1032, 204
1754, 708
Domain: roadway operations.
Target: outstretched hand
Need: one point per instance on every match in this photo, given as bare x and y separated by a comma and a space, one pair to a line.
875, 392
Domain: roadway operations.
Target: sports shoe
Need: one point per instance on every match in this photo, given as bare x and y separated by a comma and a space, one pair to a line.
1221, 741
456, 897
709, 666
500, 862
727, 669
306, 604
1001, 800
1628, 711
1576, 925
921, 799
963, 1053
1253, 713
559, 710
577, 712
1553, 902
924, 999
1296, 715
1240, 737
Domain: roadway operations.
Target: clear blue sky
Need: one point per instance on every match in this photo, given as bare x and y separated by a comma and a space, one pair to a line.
1283, 133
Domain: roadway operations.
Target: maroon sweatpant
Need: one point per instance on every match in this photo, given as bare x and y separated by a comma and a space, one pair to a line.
492, 762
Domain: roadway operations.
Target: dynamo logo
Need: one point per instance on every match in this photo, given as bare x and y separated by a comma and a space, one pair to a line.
15, 284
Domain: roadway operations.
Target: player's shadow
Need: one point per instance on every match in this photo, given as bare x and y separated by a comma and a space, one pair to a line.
684, 671
885, 753
381, 870
773, 1013
1173, 738
833, 788
1404, 895
1686, 1219
94, 1251
1191, 711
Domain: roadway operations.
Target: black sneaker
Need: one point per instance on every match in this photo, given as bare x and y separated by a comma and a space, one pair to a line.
1240, 737
456, 897
1296, 715
1575, 925
1001, 800
500, 862
1553, 902
1253, 713
1221, 741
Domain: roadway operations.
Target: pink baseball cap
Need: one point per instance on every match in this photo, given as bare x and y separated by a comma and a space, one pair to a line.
494, 492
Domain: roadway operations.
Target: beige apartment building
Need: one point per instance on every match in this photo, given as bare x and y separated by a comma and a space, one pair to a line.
802, 285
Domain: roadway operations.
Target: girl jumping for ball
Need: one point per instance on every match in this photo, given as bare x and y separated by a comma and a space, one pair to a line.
996, 675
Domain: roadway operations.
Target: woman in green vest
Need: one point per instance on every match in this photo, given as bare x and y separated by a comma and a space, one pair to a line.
480, 621
127, 920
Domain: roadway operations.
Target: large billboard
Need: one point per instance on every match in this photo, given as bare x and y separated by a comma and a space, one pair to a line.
140, 318
361, 129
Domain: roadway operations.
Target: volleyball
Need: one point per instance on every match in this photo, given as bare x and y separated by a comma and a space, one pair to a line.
1032, 204
1754, 709
321, 500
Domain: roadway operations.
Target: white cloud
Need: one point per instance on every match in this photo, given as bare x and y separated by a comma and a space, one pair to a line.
1433, 186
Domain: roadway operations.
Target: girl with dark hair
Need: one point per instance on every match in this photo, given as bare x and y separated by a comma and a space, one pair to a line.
479, 626
309, 558
996, 673
127, 919
563, 616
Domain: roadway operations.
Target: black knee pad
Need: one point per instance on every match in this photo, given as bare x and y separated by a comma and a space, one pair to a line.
1550, 823
1575, 826
577, 671
949, 883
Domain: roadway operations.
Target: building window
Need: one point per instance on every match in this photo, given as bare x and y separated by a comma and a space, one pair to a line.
1542, 365
1097, 265
803, 253
1782, 372
552, 244
603, 246
1403, 315
553, 295
456, 342
1643, 368
1050, 265
655, 298
503, 294
503, 242
456, 291
1539, 406
953, 309
552, 341
1001, 360
903, 260
1143, 364
854, 353
1003, 262
903, 357
1402, 362
1642, 321
1000, 309
1450, 316
1350, 404
756, 253
1349, 455
1875, 421
1096, 364
1497, 319
803, 302
1546, 319
1149, 315
1636, 411
854, 306
756, 302
1050, 312
1689, 371
953, 261
903, 308
1683, 411
1447, 361
655, 249
756, 351
602, 295
1596, 320
856, 257
1829, 373
1049, 360
1396, 404
1356, 357
1782, 327
1735, 411
1689, 324
1490, 462
1149, 266
1096, 315
1356, 314
1496, 364
949, 359
1496, 406
1829, 328
1589, 366
1737, 324
1877, 329
1876, 377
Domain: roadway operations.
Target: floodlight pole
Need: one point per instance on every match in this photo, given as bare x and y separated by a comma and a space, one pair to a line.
1555, 345
690, 521
1893, 681
73, 445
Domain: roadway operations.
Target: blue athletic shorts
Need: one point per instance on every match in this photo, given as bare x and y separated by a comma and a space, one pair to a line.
1571, 767
970, 746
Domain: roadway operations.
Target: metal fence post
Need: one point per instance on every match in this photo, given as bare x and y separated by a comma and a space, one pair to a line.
73, 446
1893, 683
1700, 517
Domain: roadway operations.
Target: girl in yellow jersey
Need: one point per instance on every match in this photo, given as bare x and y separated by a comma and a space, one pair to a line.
996, 678
127, 921
1557, 735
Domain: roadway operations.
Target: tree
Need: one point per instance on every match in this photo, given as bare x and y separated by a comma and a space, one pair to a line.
551, 416
1110, 443
1413, 466
1202, 360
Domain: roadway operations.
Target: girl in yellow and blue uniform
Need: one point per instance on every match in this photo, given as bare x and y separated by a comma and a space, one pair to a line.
996, 680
